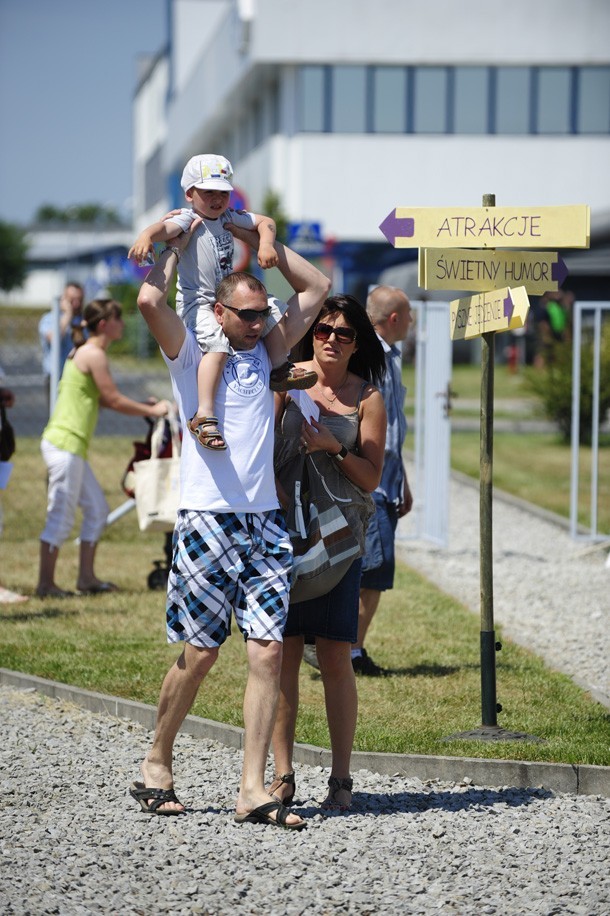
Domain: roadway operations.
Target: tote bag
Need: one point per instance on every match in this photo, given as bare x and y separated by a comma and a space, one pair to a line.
323, 542
157, 481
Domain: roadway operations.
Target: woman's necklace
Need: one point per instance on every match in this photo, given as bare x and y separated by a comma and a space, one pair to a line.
335, 393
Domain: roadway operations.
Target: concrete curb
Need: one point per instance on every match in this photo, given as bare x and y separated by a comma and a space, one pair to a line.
572, 779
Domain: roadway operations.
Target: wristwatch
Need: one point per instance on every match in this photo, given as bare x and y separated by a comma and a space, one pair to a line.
341, 454
177, 251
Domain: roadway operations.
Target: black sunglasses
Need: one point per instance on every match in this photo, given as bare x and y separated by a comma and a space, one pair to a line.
249, 314
343, 335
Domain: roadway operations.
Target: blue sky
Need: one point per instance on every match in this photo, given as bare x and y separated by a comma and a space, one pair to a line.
68, 71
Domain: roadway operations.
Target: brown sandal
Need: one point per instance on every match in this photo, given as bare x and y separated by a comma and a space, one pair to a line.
197, 425
278, 781
288, 376
335, 785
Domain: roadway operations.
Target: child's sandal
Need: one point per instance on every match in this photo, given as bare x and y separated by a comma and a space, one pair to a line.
288, 376
199, 427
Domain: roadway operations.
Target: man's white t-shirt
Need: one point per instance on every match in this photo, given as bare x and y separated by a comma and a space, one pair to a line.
240, 479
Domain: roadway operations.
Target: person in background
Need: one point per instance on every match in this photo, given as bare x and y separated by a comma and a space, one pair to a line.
70, 316
7, 399
86, 383
390, 312
232, 554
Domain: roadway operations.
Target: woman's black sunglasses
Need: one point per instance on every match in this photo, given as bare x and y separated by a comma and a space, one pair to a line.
343, 335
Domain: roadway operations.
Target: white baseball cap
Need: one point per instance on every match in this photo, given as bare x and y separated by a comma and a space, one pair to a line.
210, 172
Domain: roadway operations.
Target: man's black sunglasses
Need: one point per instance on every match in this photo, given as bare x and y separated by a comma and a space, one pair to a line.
343, 335
249, 314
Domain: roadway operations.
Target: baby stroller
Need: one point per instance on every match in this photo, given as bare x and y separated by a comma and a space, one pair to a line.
163, 440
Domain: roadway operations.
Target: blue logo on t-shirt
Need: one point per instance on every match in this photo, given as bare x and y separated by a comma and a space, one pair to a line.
244, 374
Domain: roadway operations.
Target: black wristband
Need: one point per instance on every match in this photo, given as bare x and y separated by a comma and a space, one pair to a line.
341, 454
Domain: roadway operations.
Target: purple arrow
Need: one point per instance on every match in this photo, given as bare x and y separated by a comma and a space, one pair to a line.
559, 271
508, 308
394, 228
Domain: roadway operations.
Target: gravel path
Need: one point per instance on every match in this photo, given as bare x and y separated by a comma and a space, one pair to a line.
550, 594
73, 842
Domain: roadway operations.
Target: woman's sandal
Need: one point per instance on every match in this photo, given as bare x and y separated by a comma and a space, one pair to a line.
288, 376
335, 785
278, 781
204, 436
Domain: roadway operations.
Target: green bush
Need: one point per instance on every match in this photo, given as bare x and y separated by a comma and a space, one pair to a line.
552, 384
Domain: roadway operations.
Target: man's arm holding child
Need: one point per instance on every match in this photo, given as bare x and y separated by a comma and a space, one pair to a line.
310, 285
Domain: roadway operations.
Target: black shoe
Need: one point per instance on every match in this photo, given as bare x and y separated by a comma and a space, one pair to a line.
364, 664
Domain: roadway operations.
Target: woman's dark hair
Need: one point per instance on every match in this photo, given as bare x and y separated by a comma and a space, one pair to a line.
368, 359
96, 311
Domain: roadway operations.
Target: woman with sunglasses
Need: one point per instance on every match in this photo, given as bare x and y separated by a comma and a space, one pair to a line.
347, 444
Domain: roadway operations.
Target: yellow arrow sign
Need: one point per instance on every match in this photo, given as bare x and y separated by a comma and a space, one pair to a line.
498, 310
461, 268
488, 227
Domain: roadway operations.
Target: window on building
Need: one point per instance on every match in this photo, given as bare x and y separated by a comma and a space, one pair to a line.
593, 100
511, 112
389, 100
430, 100
348, 100
553, 101
471, 100
312, 98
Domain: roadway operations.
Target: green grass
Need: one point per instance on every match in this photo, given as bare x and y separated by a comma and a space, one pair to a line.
116, 644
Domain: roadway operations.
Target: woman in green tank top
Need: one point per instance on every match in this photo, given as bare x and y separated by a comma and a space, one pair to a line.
86, 383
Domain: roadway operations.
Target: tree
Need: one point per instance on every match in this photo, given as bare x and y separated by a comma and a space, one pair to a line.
272, 206
552, 385
88, 214
13, 256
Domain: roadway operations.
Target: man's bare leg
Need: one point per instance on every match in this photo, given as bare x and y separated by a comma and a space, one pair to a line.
260, 707
178, 693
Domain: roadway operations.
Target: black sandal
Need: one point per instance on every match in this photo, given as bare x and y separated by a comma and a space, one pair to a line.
335, 785
286, 780
150, 800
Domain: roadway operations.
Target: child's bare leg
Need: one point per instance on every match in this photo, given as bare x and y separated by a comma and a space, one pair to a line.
204, 425
284, 375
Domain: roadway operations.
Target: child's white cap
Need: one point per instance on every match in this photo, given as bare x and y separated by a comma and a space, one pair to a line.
210, 172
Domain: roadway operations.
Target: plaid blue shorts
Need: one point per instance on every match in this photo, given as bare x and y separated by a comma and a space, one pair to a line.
225, 562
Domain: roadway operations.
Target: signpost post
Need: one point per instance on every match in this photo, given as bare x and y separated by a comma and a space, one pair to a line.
446, 262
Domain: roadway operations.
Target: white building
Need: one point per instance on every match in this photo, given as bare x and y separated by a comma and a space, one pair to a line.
347, 109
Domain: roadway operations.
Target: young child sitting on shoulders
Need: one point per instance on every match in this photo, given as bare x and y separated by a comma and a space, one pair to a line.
206, 182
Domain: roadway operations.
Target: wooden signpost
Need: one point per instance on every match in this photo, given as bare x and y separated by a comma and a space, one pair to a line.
488, 227
478, 271
504, 280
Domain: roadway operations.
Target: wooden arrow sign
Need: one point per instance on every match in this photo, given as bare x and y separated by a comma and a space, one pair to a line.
488, 227
460, 268
498, 310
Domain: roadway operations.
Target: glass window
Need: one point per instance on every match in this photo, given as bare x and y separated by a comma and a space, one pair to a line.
348, 100
389, 99
553, 101
512, 108
430, 100
593, 100
471, 100
311, 97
